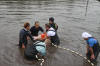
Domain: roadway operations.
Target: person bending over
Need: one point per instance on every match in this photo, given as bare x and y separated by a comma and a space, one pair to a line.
92, 46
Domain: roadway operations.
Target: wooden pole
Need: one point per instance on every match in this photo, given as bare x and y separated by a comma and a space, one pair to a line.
86, 7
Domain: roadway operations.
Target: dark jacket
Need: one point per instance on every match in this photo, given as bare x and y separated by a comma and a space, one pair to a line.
34, 31
54, 26
23, 37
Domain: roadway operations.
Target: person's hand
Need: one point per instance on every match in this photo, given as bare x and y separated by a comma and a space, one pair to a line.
92, 56
28, 38
23, 46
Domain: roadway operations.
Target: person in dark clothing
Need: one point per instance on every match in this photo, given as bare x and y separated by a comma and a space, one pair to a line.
37, 48
52, 35
35, 29
92, 47
53, 24
24, 35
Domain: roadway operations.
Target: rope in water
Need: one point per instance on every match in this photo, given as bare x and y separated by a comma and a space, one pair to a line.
75, 53
42, 60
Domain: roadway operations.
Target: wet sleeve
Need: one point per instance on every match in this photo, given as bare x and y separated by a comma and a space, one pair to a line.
91, 43
41, 29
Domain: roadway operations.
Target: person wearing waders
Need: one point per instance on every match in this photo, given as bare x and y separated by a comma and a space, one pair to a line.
24, 35
38, 49
52, 35
53, 24
92, 47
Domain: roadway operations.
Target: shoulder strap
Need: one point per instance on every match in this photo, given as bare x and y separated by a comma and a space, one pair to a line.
36, 44
52, 30
40, 45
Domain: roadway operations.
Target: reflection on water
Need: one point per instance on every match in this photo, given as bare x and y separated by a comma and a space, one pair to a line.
68, 14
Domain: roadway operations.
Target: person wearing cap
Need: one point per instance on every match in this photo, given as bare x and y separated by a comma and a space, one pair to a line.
37, 48
36, 28
52, 35
24, 35
92, 46
53, 24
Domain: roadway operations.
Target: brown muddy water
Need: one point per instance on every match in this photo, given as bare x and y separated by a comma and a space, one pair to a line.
68, 14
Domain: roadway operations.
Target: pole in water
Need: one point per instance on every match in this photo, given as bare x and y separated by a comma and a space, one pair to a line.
86, 7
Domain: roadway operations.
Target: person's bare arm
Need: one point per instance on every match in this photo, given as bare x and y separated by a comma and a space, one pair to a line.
87, 49
23, 46
92, 53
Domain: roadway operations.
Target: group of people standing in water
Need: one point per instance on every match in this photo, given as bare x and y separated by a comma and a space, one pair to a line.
48, 37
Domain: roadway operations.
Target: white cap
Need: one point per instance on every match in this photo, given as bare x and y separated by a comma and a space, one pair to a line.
86, 35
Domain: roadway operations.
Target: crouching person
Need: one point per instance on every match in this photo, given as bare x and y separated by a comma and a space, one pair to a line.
38, 48
92, 47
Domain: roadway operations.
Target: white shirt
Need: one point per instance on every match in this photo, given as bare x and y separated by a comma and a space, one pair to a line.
51, 33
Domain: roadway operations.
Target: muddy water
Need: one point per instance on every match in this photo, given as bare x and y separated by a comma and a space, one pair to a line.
68, 14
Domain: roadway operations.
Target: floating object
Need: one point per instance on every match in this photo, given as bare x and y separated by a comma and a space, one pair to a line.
80, 54
85, 57
42, 60
89, 61
43, 36
64, 48
92, 64
72, 51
